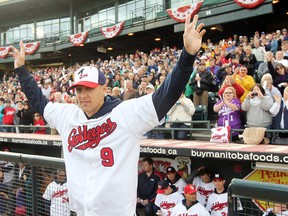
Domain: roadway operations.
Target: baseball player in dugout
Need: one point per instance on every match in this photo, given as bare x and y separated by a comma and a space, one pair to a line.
190, 205
100, 139
175, 179
167, 198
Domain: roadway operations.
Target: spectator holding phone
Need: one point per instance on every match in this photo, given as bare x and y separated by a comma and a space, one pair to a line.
257, 105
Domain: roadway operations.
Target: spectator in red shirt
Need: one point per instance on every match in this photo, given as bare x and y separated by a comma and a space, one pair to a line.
229, 81
8, 117
39, 121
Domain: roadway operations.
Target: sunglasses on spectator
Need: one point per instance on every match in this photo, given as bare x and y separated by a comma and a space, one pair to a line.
279, 68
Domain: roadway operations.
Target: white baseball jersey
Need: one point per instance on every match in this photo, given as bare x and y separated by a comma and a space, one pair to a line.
99, 153
217, 204
283, 213
167, 202
203, 189
58, 195
196, 210
180, 185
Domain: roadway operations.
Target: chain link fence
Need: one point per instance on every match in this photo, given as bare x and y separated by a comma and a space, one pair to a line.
32, 185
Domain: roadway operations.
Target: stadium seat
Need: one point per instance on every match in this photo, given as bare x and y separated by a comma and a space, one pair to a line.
200, 113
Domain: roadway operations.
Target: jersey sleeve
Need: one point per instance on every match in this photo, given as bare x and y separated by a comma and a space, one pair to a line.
139, 115
209, 202
56, 114
33, 93
48, 192
159, 198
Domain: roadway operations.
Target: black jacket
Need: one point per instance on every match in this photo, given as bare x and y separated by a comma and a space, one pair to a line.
205, 82
25, 116
147, 186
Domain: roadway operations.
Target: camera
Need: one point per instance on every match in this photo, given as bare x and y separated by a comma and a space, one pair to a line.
254, 94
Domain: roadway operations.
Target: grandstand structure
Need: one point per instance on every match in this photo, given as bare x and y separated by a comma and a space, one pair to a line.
50, 22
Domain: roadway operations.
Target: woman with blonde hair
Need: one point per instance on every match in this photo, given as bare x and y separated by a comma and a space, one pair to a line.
228, 109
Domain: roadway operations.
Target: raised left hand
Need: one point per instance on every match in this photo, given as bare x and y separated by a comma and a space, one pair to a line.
192, 36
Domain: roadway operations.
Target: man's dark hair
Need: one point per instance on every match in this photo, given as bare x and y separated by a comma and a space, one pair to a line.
149, 160
2, 99
204, 171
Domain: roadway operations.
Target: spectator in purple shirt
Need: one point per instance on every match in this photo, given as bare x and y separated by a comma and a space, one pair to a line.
228, 109
280, 75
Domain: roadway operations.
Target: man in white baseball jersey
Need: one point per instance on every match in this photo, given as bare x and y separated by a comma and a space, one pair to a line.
174, 178
167, 198
101, 138
217, 203
204, 185
190, 205
56, 194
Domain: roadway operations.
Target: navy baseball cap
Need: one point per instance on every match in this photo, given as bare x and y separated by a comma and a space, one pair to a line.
162, 185
170, 169
218, 176
88, 76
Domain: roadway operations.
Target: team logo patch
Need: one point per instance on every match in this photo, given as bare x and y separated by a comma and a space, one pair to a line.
219, 206
82, 138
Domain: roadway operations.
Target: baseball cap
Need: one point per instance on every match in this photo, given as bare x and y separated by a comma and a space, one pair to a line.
88, 76
190, 189
162, 185
218, 176
170, 170
229, 42
240, 36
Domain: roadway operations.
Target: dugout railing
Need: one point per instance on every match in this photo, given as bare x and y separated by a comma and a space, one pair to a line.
272, 199
42, 172
27, 191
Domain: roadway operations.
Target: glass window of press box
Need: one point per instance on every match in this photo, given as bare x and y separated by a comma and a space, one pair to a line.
106, 15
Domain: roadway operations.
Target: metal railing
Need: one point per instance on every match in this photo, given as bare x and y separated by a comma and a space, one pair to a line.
273, 194
23, 190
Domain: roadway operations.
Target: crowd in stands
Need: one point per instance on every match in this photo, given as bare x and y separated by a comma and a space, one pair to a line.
253, 70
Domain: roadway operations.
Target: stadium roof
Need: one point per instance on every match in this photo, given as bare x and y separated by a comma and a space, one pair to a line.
16, 12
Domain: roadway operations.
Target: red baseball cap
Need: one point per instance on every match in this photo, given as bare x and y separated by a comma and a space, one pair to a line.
190, 189
88, 76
